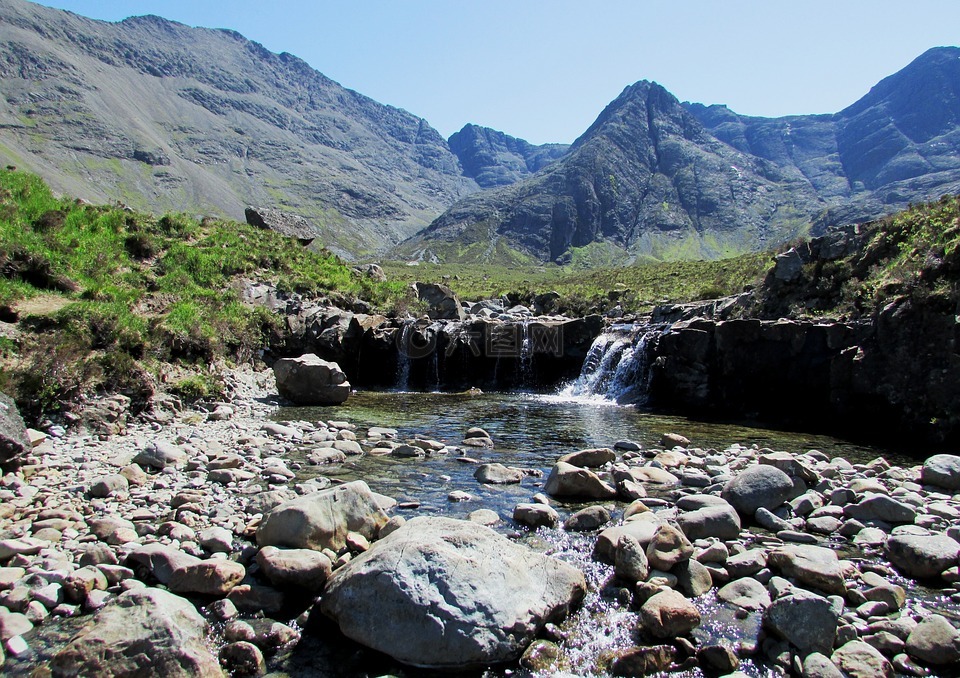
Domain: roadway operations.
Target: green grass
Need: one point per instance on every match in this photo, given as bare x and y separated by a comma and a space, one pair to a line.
136, 289
635, 288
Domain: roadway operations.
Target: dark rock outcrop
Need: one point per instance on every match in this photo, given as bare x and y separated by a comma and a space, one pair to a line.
310, 380
13, 434
494, 159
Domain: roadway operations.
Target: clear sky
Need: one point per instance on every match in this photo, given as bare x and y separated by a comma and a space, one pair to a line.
542, 70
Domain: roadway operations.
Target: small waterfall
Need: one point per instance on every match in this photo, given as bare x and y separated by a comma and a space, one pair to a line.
617, 365
403, 354
526, 355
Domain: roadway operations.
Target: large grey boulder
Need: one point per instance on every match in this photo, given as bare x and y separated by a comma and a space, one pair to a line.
935, 641
942, 470
922, 556
759, 486
296, 568
720, 521
13, 434
310, 380
322, 519
449, 594
858, 660
807, 621
143, 632
810, 565
567, 480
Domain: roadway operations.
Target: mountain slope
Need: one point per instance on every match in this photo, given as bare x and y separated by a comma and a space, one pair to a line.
655, 178
645, 179
494, 159
167, 117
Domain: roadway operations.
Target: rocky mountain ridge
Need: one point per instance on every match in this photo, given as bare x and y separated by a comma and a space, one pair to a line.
166, 117
656, 178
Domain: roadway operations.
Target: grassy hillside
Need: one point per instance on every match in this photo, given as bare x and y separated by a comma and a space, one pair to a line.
105, 295
634, 288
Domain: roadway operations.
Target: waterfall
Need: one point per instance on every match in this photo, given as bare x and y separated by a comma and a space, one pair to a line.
526, 355
617, 366
403, 355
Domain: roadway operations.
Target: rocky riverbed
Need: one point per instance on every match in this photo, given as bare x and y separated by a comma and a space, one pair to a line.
212, 541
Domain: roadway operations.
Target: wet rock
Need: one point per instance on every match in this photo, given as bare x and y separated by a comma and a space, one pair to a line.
747, 593
811, 565
255, 599
858, 660
160, 561
322, 519
935, 641
541, 656
498, 474
759, 486
721, 522
922, 556
746, 563
145, 632
216, 539
587, 519
670, 440
807, 621
567, 480
310, 380
717, 659
242, 659
535, 515
669, 614
668, 547
445, 593
643, 661
13, 624
942, 470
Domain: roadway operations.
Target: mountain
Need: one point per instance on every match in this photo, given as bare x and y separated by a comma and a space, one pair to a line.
656, 178
493, 158
162, 116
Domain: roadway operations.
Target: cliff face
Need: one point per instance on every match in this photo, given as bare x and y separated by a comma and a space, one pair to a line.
653, 177
166, 117
495, 159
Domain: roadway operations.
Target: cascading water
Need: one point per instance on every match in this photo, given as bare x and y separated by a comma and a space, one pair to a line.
617, 366
403, 355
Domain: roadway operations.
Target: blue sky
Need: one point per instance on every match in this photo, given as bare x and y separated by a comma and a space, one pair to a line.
543, 70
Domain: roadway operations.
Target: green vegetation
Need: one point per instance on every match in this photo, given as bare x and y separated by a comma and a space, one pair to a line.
635, 288
912, 255
109, 294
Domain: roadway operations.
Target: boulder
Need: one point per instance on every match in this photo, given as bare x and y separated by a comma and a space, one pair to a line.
642, 527
143, 632
14, 442
720, 521
693, 578
535, 515
669, 614
586, 519
442, 303
498, 474
668, 547
310, 380
322, 519
759, 486
295, 568
449, 594
747, 593
942, 470
817, 665
814, 566
214, 577
922, 556
593, 458
630, 561
935, 641
858, 660
161, 454
880, 507
807, 621
567, 480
